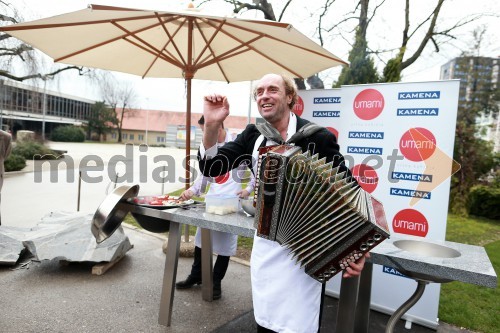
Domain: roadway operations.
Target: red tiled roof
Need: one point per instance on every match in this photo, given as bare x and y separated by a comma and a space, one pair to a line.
156, 120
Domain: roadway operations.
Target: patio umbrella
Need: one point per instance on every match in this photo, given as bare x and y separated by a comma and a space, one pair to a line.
184, 44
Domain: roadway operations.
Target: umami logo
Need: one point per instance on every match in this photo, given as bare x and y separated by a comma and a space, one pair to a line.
368, 104
222, 178
417, 144
366, 177
298, 108
410, 222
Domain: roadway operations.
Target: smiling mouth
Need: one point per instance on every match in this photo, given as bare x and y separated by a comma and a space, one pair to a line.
267, 105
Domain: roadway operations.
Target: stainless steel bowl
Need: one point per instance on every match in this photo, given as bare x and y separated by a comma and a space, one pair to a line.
247, 205
111, 213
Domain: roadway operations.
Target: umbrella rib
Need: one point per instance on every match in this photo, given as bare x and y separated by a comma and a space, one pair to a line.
171, 38
207, 46
151, 50
19, 27
123, 36
231, 53
282, 41
169, 54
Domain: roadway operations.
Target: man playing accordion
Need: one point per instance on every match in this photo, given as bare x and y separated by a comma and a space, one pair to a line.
285, 298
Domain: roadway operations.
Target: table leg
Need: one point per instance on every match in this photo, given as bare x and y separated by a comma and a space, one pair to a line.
364, 298
347, 305
207, 290
169, 274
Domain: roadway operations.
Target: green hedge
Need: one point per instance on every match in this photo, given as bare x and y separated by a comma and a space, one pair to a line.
68, 134
34, 151
484, 201
14, 162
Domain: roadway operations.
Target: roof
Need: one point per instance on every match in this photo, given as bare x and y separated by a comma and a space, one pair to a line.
157, 120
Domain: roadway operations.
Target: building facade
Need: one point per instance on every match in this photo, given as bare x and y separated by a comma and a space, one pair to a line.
36, 109
24, 107
479, 79
166, 128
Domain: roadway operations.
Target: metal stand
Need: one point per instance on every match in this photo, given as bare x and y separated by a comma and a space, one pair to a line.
321, 304
406, 306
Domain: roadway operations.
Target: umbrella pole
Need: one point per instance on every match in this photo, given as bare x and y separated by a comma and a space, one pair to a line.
188, 145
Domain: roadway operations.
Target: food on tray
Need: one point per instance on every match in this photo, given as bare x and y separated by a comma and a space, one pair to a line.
161, 200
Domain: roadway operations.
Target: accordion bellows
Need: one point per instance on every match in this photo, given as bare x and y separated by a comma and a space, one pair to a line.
320, 214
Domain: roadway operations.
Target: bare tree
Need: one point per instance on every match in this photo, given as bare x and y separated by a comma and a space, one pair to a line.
18, 60
120, 96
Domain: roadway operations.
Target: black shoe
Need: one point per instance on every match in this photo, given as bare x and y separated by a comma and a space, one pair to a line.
188, 283
217, 291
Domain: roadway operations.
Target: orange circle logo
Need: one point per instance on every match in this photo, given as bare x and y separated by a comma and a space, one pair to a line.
417, 144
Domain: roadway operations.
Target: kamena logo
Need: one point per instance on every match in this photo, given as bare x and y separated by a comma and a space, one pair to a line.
366, 177
417, 144
298, 108
326, 100
368, 104
405, 192
392, 271
366, 135
418, 112
365, 150
414, 177
410, 222
334, 131
326, 114
419, 95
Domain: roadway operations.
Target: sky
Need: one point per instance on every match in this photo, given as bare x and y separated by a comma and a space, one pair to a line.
157, 93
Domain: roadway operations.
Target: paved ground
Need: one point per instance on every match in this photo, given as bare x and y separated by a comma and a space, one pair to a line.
49, 297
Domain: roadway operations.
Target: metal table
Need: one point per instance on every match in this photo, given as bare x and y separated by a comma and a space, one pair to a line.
424, 264
472, 266
157, 220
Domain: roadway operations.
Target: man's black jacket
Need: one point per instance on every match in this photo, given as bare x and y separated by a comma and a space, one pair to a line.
233, 153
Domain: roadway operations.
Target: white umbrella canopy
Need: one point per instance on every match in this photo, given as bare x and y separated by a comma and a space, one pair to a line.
184, 44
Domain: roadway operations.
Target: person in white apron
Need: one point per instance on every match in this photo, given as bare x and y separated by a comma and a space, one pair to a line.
224, 244
285, 298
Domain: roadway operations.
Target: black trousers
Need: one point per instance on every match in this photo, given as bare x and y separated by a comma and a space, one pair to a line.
220, 267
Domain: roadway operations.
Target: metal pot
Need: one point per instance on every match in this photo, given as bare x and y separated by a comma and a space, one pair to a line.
111, 212
247, 205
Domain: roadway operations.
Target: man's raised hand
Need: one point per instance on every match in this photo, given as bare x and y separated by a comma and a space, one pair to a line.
215, 109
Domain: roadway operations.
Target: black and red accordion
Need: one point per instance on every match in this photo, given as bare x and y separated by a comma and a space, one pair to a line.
320, 214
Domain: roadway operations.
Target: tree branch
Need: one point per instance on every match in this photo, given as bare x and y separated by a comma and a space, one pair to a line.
81, 71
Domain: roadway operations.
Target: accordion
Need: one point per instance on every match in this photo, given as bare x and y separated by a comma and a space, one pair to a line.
316, 211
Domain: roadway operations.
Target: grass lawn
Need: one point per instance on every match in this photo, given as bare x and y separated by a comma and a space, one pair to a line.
466, 305
461, 304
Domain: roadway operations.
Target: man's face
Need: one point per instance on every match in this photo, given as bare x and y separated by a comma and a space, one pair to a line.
271, 98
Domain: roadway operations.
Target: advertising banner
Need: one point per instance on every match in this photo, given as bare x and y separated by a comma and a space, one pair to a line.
398, 142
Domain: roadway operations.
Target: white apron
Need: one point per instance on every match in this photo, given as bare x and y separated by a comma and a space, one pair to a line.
223, 243
285, 298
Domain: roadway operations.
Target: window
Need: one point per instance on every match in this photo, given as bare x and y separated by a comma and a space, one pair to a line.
124, 136
140, 137
113, 135
131, 137
160, 139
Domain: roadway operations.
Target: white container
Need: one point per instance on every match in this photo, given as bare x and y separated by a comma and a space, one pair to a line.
221, 204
